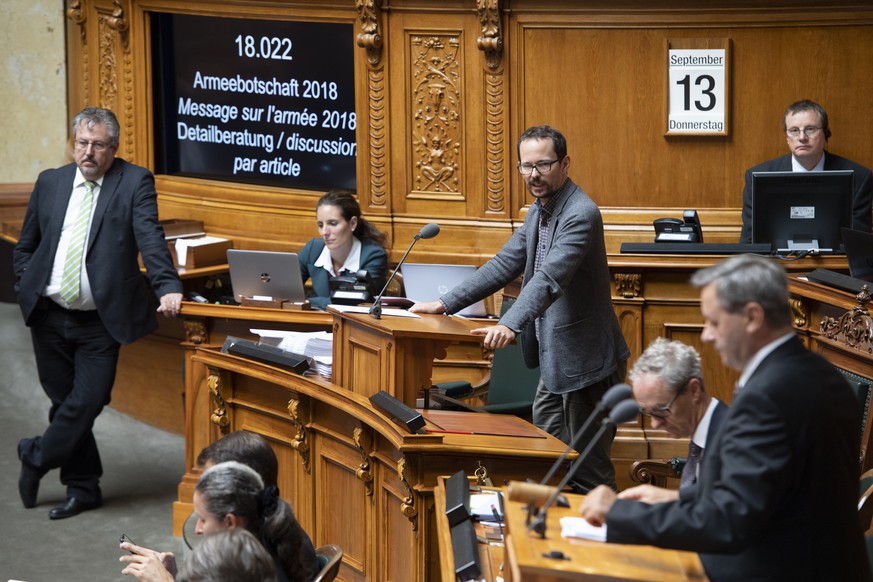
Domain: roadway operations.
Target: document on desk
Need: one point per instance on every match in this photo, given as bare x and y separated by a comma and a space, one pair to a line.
578, 527
385, 310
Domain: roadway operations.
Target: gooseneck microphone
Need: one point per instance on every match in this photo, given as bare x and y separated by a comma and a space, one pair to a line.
427, 231
624, 411
613, 396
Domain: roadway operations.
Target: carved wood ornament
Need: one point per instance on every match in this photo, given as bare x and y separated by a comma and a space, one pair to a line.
370, 39
436, 106
628, 284
799, 312
491, 40
219, 415
363, 473
855, 327
300, 442
407, 506
77, 15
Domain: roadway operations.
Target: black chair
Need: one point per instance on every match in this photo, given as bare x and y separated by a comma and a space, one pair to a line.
865, 508
330, 558
511, 386
863, 388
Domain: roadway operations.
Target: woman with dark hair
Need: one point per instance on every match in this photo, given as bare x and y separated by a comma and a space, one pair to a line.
232, 495
348, 244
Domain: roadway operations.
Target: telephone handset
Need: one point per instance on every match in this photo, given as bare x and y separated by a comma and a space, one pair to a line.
351, 288
686, 229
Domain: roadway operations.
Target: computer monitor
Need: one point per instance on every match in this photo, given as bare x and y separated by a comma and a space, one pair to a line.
801, 211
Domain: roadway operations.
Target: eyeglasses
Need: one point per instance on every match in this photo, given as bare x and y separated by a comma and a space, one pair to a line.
541, 167
97, 146
663, 411
795, 132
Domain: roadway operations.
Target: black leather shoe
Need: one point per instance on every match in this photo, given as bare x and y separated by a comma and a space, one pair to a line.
28, 482
72, 507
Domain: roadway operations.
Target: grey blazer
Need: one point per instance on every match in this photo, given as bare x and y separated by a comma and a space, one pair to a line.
580, 341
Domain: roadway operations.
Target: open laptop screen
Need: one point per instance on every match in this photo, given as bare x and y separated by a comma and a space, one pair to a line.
429, 282
265, 274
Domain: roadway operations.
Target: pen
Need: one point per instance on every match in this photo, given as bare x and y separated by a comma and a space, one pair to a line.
499, 521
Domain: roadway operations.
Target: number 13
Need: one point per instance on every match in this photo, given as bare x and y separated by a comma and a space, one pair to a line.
708, 92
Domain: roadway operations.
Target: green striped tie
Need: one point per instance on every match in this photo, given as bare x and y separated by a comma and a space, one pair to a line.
70, 283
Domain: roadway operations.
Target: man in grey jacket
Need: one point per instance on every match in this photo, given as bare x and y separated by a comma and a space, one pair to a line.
564, 311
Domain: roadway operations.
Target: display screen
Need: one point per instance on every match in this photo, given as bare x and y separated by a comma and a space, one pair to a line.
798, 211
256, 101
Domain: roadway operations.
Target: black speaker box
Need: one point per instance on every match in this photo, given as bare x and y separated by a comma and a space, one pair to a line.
266, 354
465, 547
408, 417
457, 498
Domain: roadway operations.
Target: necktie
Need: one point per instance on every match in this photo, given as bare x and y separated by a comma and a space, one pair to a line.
689, 473
70, 282
540, 255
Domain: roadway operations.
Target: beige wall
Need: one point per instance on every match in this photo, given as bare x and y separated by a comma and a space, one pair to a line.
33, 88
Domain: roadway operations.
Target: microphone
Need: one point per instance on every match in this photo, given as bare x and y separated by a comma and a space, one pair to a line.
427, 231
612, 397
624, 411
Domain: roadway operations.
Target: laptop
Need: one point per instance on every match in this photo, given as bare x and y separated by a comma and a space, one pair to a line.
265, 274
429, 282
859, 252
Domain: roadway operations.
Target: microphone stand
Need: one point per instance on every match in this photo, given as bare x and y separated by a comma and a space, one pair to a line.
428, 231
623, 412
613, 396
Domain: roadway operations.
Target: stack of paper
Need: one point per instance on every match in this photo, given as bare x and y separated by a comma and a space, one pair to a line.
317, 345
578, 527
324, 366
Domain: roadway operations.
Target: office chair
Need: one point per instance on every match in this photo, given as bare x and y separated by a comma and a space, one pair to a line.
330, 558
511, 386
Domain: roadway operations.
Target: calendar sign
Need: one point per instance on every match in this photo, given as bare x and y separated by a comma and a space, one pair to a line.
697, 92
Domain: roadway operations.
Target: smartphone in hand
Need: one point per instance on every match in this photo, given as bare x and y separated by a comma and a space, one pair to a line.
125, 538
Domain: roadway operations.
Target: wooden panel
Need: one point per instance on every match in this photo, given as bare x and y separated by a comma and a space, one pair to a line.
442, 93
346, 517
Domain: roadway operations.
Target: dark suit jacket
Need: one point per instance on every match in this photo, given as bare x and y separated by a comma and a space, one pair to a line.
861, 202
580, 342
777, 496
374, 260
125, 223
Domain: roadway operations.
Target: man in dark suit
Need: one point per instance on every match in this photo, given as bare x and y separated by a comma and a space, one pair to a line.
667, 381
807, 132
81, 291
564, 310
776, 499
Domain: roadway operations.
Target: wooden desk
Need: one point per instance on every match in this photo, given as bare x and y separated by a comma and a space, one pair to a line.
354, 477
492, 555
523, 556
157, 378
588, 560
394, 354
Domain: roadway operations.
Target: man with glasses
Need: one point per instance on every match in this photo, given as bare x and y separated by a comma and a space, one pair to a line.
81, 291
777, 495
667, 381
806, 128
564, 312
